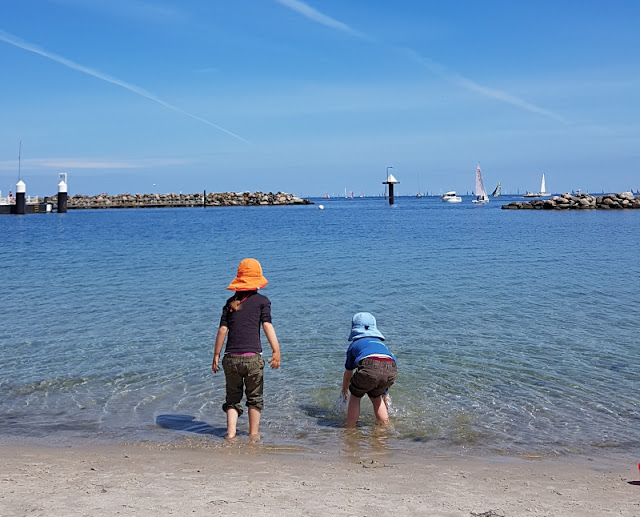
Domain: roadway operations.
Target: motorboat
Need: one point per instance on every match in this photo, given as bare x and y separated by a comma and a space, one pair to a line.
450, 197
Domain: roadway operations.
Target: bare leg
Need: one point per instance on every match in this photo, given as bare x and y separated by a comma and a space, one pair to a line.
254, 423
232, 421
353, 411
380, 410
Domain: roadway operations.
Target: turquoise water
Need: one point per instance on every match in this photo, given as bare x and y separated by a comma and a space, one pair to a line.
515, 331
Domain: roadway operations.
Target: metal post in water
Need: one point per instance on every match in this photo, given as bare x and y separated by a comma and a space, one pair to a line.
391, 181
62, 193
20, 197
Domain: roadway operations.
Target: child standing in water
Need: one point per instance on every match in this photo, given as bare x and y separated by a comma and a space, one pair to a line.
243, 365
370, 369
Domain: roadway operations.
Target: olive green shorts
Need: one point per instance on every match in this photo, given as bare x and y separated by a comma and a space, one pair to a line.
243, 372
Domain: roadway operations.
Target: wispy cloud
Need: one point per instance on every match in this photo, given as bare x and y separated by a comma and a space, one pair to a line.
16, 42
135, 9
317, 16
473, 86
84, 163
436, 68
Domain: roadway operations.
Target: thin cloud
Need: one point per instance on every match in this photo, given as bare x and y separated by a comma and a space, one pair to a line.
468, 84
134, 9
12, 40
317, 16
84, 163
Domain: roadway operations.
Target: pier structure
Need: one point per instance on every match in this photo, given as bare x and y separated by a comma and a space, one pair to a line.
21, 204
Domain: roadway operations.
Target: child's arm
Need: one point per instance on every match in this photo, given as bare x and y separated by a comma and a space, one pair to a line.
222, 333
270, 332
346, 379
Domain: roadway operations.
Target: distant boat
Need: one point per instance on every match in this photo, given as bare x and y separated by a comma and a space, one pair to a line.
481, 194
450, 197
497, 192
326, 195
543, 189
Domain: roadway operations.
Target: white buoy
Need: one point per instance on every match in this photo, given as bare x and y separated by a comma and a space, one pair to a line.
320, 207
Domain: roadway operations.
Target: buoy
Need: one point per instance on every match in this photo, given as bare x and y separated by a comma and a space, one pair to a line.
320, 207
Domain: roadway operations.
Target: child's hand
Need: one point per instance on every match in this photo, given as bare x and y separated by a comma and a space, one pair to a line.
215, 366
275, 360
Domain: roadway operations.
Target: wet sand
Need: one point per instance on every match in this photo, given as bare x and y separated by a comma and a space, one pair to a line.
152, 480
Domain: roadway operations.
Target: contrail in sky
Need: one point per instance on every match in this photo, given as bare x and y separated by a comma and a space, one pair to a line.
441, 71
11, 40
317, 16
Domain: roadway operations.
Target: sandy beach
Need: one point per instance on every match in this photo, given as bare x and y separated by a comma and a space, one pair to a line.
152, 480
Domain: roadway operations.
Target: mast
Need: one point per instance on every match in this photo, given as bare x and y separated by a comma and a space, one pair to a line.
19, 157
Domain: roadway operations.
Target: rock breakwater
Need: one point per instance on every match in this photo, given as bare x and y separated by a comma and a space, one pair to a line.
623, 200
79, 201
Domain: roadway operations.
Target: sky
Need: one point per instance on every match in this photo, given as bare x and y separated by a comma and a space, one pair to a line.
319, 96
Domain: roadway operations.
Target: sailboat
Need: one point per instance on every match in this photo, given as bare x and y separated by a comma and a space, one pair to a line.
543, 191
481, 194
497, 192
543, 188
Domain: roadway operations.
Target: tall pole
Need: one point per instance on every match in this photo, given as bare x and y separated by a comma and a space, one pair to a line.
385, 179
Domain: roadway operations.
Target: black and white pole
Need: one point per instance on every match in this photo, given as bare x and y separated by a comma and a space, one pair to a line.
62, 193
391, 181
20, 197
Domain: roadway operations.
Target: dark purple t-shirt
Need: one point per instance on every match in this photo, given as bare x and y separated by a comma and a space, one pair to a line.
244, 324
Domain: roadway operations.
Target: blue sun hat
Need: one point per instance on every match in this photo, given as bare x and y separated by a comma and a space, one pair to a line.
363, 324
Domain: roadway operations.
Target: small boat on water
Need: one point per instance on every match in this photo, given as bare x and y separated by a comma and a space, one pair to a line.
497, 192
481, 194
450, 197
543, 191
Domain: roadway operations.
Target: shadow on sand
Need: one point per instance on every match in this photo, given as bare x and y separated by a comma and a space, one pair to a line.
189, 424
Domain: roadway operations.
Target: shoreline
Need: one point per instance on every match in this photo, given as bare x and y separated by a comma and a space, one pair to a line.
240, 479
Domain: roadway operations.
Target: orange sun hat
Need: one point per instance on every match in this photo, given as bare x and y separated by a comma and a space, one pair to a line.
249, 277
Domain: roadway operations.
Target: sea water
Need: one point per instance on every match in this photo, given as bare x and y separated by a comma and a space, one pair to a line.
516, 331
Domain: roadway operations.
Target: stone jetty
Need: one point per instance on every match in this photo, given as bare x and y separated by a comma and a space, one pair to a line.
79, 201
624, 200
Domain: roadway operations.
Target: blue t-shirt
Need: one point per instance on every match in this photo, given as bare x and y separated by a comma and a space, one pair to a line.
361, 348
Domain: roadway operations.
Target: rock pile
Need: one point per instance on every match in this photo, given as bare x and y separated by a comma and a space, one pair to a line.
580, 201
79, 201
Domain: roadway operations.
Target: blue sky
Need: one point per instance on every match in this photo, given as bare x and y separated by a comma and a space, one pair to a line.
319, 96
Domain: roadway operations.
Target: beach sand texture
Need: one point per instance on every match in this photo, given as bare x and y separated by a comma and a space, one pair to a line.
151, 480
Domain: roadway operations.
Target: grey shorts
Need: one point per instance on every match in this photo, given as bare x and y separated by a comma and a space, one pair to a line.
243, 372
373, 378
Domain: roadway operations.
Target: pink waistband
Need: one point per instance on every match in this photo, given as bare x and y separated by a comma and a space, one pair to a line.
246, 354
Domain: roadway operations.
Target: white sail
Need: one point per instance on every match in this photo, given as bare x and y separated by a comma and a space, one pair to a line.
543, 188
481, 194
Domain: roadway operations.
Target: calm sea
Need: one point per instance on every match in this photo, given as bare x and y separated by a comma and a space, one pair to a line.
516, 332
